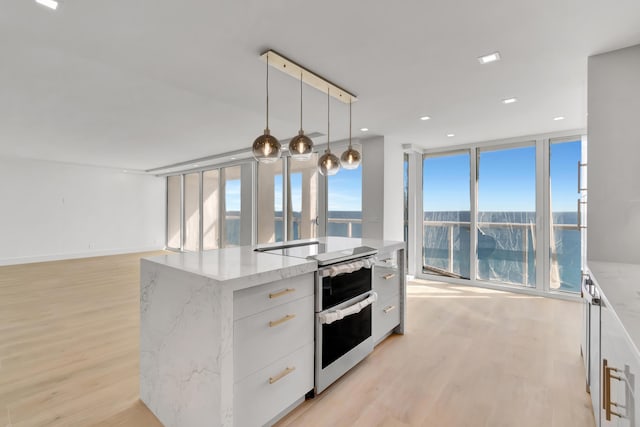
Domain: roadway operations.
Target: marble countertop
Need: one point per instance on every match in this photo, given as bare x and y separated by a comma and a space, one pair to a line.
620, 284
243, 267
240, 267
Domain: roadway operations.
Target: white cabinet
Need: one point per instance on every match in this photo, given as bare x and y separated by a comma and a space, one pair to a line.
619, 370
273, 348
387, 283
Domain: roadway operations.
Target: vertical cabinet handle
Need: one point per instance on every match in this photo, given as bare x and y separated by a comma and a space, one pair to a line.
606, 390
281, 293
281, 375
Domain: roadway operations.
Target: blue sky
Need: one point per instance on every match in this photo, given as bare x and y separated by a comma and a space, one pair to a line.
506, 180
345, 190
232, 195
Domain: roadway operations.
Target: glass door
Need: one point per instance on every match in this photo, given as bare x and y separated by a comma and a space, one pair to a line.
507, 215
446, 215
565, 251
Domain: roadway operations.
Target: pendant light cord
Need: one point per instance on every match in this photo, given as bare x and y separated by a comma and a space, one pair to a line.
328, 120
300, 100
267, 91
350, 101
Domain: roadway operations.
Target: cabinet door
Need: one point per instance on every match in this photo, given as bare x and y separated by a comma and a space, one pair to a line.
619, 368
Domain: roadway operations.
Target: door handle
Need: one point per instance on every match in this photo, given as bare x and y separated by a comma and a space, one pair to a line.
606, 392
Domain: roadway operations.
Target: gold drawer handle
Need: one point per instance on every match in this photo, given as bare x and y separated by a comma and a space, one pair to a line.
281, 375
281, 293
281, 321
389, 276
390, 308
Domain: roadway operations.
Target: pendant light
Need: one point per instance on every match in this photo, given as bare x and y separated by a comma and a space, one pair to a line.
328, 164
266, 148
301, 146
350, 159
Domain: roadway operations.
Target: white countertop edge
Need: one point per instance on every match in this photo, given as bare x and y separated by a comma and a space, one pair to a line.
620, 286
243, 267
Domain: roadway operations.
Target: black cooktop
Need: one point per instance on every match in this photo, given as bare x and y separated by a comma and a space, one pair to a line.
318, 251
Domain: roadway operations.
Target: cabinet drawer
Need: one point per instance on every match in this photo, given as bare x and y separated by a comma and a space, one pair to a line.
386, 316
386, 281
264, 394
265, 337
254, 300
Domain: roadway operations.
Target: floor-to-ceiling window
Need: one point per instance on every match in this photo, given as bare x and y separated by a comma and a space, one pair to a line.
507, 215
446, 214
287, 200
210, 209
205, 210
174, 209
344, 212
565, 242
231, 219
302, 198
522, 200
192, 212
270, 202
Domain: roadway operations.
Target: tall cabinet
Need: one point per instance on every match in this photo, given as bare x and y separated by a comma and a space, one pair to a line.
613, 238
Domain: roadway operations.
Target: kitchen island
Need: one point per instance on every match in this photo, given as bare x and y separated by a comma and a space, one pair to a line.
227, 336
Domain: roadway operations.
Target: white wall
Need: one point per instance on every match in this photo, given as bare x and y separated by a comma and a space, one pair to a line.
382, 189
373, 187
393, 191
614, 156
57, 211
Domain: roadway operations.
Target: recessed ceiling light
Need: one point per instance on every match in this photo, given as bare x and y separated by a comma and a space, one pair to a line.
233, 158
364, 129
558, 118
124, 170
195, 165
51, 4
509, 100
492, 57
451, 135
425, 118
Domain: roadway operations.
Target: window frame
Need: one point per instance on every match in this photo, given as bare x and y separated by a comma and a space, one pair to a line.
542, 233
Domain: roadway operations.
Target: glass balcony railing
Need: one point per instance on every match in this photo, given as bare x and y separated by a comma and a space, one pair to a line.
506, 252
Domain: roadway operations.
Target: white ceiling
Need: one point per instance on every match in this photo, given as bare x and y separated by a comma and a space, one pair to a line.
146, 83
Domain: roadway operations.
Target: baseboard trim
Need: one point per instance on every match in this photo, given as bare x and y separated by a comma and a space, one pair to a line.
60, 257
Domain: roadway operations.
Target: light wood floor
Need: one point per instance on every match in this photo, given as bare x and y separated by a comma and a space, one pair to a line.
470, 357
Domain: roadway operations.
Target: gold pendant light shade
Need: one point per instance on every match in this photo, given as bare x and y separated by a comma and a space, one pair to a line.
266, 148
301, 146
328, 164
350, 159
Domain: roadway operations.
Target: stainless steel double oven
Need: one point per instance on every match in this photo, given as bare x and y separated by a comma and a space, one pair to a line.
343, 300
344, 297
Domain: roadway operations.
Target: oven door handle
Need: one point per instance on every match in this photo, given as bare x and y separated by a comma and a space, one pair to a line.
328, 317
346, 267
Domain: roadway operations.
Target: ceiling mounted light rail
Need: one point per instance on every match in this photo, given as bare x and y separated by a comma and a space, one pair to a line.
314, 80
266, 148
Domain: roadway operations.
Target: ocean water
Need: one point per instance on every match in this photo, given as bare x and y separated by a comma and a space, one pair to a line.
501, 249
506, 247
